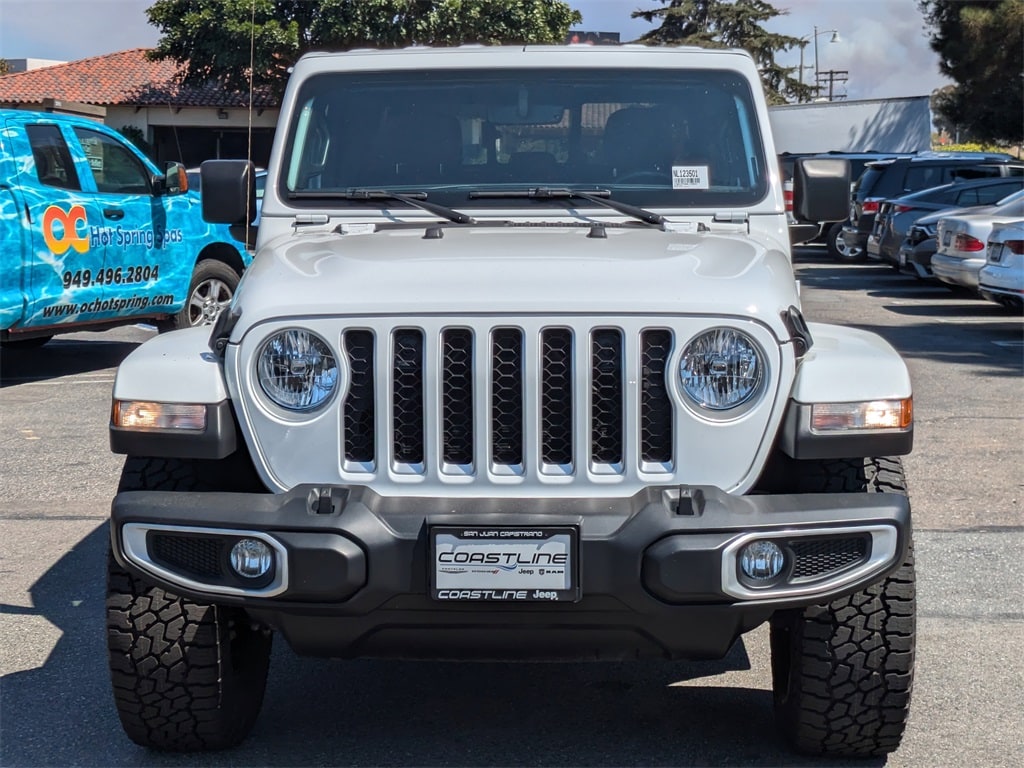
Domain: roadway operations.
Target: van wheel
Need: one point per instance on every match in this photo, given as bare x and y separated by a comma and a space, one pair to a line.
210, 292
842, 671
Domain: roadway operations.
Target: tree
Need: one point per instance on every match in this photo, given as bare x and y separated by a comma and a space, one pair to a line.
212, 40
136, 136
981, 47
4, 67
735, 24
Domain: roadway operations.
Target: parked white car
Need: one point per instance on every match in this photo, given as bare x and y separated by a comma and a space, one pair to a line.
962, 241
1002, 278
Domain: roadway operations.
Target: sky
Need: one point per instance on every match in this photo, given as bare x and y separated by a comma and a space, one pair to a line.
883, 44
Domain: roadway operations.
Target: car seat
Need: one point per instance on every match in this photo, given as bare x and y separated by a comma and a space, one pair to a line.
638, 143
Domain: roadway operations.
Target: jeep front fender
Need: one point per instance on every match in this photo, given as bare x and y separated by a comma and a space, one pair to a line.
847, 366
173, 369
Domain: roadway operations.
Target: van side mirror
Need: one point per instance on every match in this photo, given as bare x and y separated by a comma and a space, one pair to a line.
821, 189
173, 182
229, 191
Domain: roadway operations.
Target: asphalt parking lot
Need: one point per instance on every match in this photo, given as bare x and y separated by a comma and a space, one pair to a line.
966, 482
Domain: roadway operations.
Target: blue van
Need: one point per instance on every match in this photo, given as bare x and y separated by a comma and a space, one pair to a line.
93, 235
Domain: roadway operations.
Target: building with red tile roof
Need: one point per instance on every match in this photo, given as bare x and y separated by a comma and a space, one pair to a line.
128, 90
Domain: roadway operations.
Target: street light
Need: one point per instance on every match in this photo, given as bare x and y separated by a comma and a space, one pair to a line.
803, 44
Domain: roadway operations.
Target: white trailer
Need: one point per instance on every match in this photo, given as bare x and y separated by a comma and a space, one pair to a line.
869, 125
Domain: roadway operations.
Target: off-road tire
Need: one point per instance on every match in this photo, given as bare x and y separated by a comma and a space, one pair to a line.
842, 672
838, 249
210, 290
186, 675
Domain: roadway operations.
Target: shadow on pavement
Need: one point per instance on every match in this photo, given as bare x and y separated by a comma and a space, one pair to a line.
934, 322
61, 357
996, 350
320, 712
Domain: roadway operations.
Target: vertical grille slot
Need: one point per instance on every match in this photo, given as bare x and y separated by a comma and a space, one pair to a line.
556, 401
655, 404
606, 396
507, 396
358, 439
457, 396
407, 396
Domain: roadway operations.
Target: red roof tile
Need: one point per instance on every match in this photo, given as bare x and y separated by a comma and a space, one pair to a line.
126, 78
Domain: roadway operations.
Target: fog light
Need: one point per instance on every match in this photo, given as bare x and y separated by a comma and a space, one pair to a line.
251, 558
762, 560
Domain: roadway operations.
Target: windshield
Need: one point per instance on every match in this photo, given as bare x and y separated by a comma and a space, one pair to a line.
654, 138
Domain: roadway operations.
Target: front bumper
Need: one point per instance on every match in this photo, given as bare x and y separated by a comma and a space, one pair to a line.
658, 572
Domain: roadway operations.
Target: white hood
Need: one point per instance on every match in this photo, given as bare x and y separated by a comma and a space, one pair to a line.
512, 271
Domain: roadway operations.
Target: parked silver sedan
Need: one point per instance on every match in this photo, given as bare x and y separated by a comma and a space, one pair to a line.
1002, 278
896, 215
962, 240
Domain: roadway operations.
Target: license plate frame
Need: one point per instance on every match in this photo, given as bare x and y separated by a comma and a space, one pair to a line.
504, 564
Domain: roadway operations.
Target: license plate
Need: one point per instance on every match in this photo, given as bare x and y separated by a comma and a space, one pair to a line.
504, 564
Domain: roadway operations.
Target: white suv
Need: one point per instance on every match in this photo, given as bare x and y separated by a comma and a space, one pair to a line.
519, 371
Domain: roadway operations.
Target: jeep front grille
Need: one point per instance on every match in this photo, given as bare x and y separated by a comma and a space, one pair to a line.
551, 398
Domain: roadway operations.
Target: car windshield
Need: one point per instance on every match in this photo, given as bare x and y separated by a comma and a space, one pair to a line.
647, 137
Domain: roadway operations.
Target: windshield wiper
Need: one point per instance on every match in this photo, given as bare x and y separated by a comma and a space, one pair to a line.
599, 196
416, 199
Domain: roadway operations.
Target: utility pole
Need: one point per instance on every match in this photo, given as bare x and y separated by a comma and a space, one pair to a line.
813, 37
831, 77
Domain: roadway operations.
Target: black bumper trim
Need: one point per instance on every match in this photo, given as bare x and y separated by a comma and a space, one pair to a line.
650, 577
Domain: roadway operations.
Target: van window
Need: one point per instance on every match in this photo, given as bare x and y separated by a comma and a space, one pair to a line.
54, 166
113, 166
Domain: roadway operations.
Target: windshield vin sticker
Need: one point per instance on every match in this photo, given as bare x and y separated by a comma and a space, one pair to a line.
690, 177
500, 564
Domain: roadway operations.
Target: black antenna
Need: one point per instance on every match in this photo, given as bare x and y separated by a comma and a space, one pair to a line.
248, 151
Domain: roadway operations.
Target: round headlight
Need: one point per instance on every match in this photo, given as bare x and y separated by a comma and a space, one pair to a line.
297, 370
720, 369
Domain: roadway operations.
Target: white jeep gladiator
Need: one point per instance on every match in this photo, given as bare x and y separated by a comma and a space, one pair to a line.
519, 371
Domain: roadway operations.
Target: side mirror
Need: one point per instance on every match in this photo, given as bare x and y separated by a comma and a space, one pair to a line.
229, 191
821, 189
173, 182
